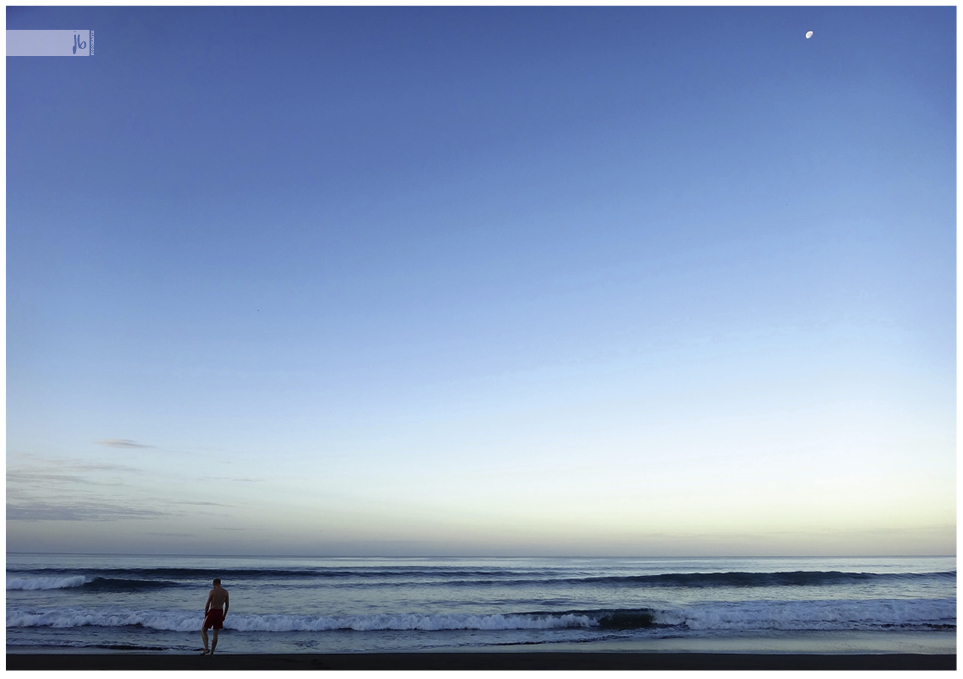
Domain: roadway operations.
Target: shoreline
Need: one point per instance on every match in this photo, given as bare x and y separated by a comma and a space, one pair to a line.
543, 660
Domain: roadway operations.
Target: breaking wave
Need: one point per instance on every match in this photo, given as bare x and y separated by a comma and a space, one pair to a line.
908, 614
97, 583
46, 583
152, 578
777, 579
190, 621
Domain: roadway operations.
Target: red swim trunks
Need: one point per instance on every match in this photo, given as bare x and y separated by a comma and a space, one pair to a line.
215, 619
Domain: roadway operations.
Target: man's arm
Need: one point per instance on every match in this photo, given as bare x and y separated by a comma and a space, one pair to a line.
227, 603
210, 598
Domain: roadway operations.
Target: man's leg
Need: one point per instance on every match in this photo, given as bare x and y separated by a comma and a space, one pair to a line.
204, 637
214, 644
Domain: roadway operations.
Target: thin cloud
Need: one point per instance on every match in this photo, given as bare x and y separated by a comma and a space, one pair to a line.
44, 474
43, 479
123, 443
39, 511
101, 467
38, 464
231, 478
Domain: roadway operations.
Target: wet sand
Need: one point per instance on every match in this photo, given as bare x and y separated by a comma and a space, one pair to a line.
485, 661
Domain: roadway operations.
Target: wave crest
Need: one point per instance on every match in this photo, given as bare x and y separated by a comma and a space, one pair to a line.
751, 579
183, 621
718, 616
46, 583
96, 584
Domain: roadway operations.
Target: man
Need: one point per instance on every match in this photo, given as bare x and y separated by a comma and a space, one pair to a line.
215, 610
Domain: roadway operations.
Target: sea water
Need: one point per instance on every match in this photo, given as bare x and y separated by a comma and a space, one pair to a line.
98, 603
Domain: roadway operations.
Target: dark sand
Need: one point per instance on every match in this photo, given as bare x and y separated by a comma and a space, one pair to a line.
484, 661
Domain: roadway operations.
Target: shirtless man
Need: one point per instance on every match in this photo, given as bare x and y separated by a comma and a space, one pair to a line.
215, 610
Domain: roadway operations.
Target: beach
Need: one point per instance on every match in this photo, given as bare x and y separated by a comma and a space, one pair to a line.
484, 661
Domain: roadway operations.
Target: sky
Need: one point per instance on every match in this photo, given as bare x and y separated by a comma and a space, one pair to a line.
627, 281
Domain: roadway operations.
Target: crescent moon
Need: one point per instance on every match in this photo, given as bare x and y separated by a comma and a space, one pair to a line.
809, 34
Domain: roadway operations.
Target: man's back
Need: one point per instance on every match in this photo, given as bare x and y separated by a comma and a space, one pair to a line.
218, 597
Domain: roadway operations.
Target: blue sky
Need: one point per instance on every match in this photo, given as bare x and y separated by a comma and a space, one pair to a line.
622, 281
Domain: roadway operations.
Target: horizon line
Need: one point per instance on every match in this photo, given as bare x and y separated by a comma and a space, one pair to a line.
493, 556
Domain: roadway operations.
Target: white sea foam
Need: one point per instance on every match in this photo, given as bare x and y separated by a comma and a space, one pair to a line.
46, 583
708, 617
813, 615
78, 617
364, 623
183, 621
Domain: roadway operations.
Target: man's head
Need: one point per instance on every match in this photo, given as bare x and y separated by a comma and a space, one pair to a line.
217, 582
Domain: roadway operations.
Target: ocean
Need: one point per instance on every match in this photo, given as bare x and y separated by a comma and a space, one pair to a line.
109, 603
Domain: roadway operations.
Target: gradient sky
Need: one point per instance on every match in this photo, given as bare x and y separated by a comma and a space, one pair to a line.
483, 281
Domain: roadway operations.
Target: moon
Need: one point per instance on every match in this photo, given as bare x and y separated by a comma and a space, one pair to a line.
809, 34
